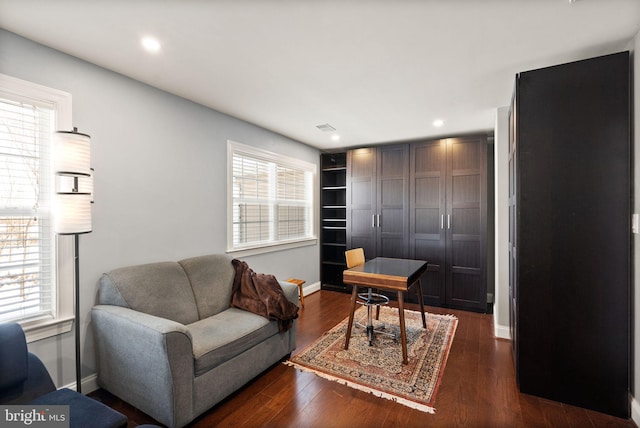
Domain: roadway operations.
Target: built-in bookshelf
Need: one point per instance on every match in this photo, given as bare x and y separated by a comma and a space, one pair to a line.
333, 217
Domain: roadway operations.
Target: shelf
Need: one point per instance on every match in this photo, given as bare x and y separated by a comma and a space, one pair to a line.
327, 262
333, 217
334, 168
333, 161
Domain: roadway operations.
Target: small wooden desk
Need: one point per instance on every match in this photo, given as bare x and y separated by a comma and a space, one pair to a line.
387, 274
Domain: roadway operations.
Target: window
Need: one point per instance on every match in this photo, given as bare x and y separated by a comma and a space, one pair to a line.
29, 291
270, 200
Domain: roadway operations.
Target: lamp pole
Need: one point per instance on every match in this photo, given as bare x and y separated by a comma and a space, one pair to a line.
76, 259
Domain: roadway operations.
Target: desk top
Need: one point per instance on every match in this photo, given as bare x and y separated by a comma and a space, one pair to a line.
386, 273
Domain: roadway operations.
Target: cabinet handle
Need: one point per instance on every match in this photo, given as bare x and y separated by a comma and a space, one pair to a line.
378, 220
448, 221
373, 220
441, 221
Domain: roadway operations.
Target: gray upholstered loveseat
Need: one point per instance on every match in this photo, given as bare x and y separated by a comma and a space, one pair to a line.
168, 342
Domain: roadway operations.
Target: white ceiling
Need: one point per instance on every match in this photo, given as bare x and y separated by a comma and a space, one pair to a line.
378, 71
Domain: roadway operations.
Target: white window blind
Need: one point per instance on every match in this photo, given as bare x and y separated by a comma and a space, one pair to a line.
27, 256
271, 198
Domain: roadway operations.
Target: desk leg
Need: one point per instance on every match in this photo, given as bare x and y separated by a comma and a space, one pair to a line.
424, 321
354, 297
403, 332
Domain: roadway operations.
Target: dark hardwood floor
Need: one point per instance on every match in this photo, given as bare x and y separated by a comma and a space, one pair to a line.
478, 388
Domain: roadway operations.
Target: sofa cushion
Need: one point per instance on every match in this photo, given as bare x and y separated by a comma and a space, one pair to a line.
211, 279
225, 335
159, 289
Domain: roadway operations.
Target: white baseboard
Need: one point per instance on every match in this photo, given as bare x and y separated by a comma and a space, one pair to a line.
635, 410
89, 384
312, 288
501, 331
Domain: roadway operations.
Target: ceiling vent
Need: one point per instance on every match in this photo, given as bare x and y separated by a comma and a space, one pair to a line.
326, 128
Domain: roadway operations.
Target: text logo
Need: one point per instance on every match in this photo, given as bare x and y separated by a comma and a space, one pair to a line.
34, 416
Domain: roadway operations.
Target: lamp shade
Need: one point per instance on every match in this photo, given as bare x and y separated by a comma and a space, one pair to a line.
72, 152
73, 214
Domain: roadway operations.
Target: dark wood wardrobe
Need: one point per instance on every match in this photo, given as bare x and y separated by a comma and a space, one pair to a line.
448, 220
378, 200
569, 211
424, 200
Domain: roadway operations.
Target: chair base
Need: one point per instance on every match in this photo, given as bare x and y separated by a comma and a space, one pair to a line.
371, 299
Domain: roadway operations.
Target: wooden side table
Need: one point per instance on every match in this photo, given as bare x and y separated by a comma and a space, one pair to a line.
299, 283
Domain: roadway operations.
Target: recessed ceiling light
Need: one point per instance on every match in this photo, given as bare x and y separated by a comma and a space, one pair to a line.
335, 137
151, 44
438, 123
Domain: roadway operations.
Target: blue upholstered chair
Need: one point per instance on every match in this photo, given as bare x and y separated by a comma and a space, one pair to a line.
25, 381
23, 377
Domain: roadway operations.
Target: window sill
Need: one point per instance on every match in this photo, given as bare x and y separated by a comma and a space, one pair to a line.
42, 329
250, 251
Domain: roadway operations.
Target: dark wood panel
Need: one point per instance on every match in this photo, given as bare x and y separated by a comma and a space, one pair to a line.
572, 241
361, 200
427, 235
377, 200
466, 210
393, 201
448, 215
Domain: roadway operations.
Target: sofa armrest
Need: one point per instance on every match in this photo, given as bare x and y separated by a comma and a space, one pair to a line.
290, 291
145, 360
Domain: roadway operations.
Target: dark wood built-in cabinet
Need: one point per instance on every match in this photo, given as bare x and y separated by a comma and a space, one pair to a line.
448, 219
378, 200
569, 210
424, 200
333, 234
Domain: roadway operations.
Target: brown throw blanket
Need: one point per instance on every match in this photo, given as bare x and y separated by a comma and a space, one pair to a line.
261, 294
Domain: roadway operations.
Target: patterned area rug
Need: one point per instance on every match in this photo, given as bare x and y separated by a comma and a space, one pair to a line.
378, 369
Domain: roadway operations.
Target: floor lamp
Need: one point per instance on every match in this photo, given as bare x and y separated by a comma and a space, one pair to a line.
72, 205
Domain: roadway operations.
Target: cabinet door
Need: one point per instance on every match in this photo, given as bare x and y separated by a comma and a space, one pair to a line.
465, 223
392, 225
361, 200
426, 222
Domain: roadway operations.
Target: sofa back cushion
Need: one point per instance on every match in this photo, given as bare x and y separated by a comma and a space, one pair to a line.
160, 289
211, 279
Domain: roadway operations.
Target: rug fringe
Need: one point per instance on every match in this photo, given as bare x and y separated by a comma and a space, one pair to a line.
375, 392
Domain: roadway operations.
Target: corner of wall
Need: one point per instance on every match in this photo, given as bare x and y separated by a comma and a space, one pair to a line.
500, 331
635, 410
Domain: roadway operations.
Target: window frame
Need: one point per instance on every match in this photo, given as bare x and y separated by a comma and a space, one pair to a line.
279, 160
63, 303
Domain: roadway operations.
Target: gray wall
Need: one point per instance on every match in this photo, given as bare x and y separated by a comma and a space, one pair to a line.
160, 179
501, 146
